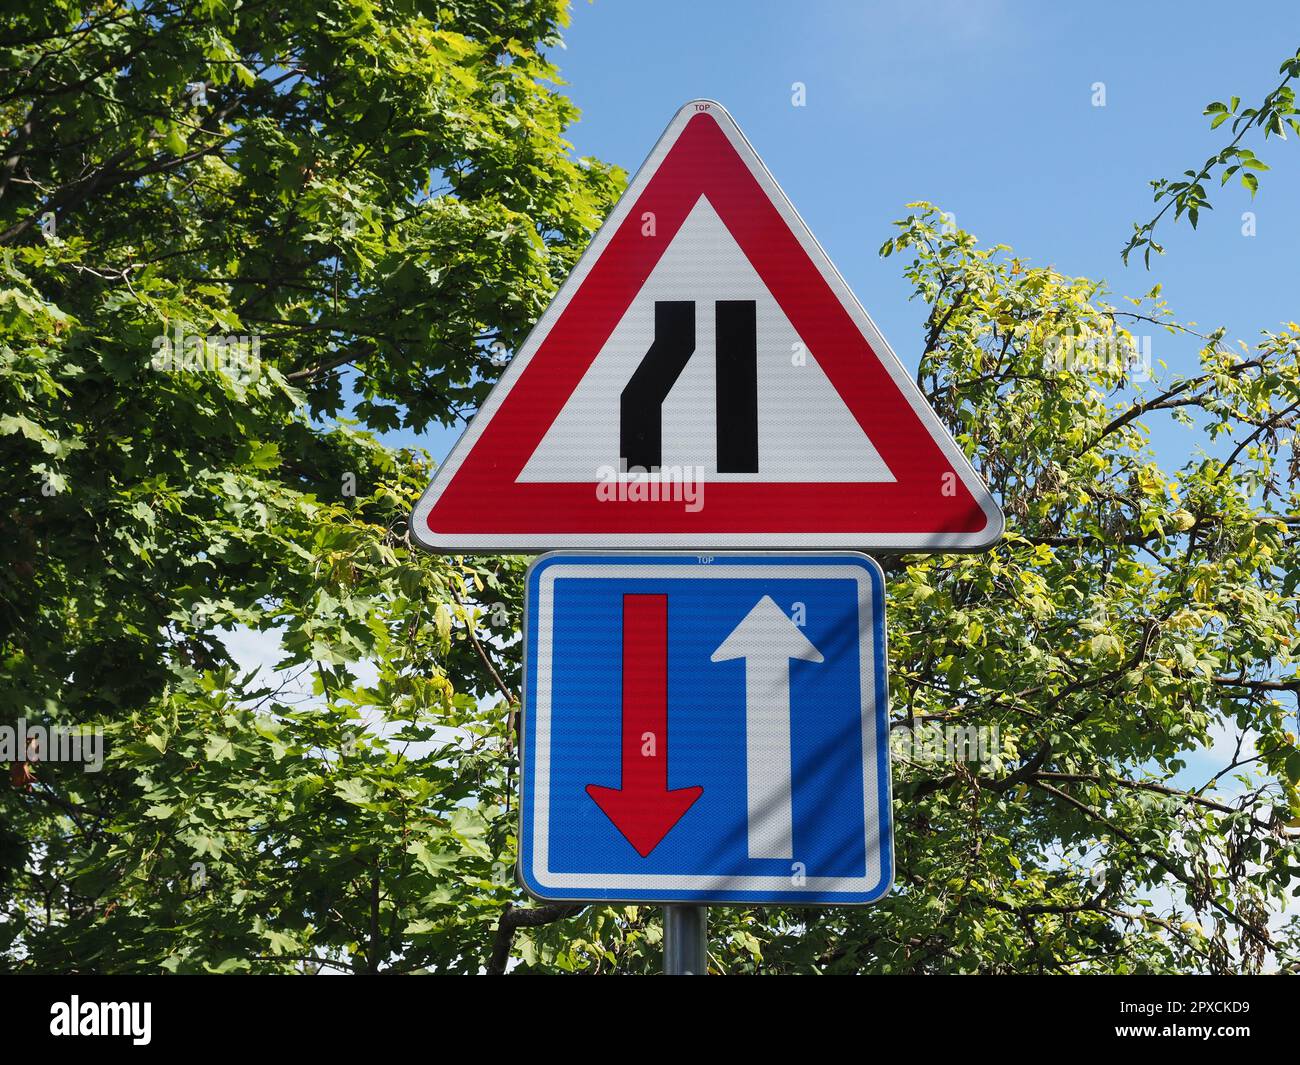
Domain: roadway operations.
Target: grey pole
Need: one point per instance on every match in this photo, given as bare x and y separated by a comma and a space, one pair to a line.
686, 940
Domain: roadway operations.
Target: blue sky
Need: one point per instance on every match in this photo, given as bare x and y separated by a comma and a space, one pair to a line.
983, 107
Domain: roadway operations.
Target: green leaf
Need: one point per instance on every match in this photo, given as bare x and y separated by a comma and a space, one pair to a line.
219, 749
354, 790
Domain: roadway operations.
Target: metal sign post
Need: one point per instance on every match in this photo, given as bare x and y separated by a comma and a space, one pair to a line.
686, 940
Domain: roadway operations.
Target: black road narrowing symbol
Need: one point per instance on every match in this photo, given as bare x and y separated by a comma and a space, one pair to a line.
736, 375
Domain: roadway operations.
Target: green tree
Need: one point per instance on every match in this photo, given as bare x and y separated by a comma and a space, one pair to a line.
225, 229
1187, 195
377, 194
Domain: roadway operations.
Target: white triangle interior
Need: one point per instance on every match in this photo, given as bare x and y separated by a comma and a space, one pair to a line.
805, 430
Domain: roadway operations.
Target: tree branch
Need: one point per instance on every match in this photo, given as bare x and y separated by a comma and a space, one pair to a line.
512, 919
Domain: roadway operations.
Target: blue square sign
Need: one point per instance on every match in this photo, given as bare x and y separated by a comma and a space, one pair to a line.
706, 729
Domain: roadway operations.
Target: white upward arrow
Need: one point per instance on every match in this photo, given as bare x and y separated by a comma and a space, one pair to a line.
766, 639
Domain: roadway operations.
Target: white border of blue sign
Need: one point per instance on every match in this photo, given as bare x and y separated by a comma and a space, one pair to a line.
542, 884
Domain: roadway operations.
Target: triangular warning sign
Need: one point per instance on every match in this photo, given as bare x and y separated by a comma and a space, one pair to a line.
705, 379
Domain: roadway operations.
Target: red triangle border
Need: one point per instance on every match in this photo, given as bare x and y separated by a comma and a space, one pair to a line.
935, 501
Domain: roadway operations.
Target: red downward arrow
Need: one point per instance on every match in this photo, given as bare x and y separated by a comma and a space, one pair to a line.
644, 809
